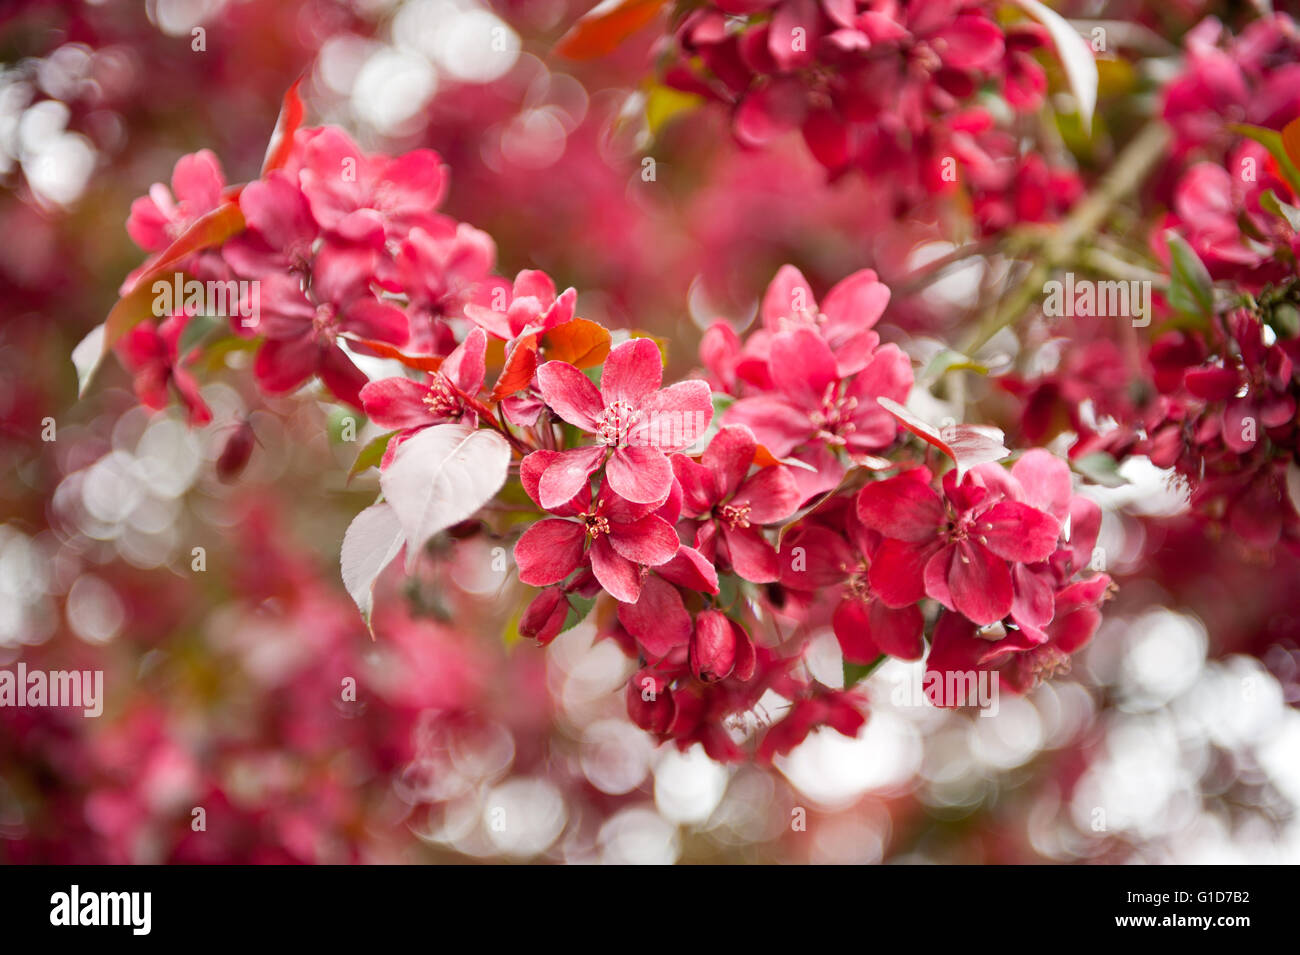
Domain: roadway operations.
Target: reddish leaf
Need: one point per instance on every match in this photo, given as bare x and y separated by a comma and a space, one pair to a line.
764, 458
385, 350
1291, 141
519, 368
602, 29
291, 112
579, 342
967, 444
136, 305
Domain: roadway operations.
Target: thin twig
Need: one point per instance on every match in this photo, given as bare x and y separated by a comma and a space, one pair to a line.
1063, 244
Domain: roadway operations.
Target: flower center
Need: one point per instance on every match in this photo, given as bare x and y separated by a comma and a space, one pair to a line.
925, 56
596, 525
801, 318
442, 399
615, 423
834, 420
736, 515
324, 323
1046, 662
857, 586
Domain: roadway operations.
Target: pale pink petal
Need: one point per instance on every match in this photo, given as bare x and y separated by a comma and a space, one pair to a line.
633, 371
729, 456
567, 474
650, 541
642, 475
772, 495
675, 417
397, 403
788, 294
570, 394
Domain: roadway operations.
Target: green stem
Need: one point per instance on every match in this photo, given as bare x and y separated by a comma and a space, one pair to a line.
1064, 245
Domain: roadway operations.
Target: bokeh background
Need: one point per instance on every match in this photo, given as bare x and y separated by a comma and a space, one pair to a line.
1174, 738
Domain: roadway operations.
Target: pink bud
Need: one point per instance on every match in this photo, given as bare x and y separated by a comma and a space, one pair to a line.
545, 616
650, 702
714, 647
235, 455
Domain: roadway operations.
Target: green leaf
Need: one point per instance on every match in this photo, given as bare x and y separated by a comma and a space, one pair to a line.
1271, 140
855, 673
370, 456
1285, 320
510, 636
1287, 212
1076, 57
1100, 468
579, 609
1191, 291
663, 103
198, 330
339, 416
948, 360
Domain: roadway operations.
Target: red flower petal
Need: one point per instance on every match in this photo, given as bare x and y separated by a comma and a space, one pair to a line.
803, 367
344, 379
1018, 532
674, 418
776, 423
284, 364
903, 507
567, 474
690, 569
658, 619
619, 576
787, 294
549, 551
650, 541
396, 403
752, 557
772, 495
853, 631
642, 475
729, 456
696, 482
897, 571
980, 583
713, 647
570, 394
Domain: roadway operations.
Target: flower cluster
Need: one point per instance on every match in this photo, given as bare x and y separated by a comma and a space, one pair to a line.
1212, 393
770, 520
887, 88
345, 246
710, 526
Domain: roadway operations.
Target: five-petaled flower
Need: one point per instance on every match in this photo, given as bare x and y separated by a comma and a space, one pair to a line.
444, 395
961, 548
618, 537
630, 416
732, 506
